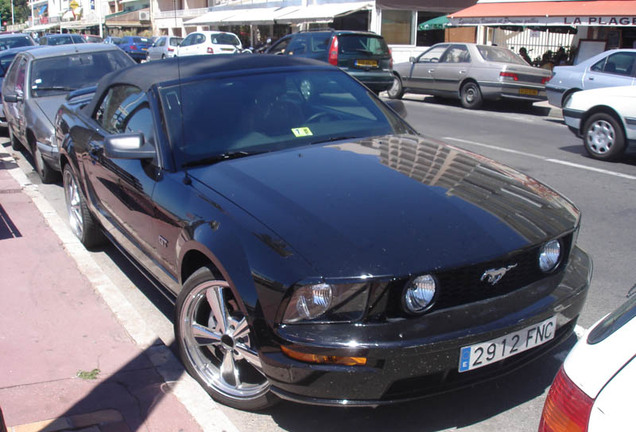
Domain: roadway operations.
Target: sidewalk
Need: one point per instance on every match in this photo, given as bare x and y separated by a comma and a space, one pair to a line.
67, 363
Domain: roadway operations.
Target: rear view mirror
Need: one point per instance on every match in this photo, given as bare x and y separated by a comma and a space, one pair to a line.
128, 146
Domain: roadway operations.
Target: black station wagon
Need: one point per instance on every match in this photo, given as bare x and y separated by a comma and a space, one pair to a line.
318, 249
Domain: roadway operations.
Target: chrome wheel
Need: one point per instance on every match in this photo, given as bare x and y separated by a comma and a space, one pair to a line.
73, 204
396, 91
217, 344
601, 137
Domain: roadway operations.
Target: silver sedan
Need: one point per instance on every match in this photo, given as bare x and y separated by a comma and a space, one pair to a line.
473, 73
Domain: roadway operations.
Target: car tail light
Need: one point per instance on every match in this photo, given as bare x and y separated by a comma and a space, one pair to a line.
567, 408
511, 75
210, 50
391, 61
545, 80
170, 49
333, 51
133, 47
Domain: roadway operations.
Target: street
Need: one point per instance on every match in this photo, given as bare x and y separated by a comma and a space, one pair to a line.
527, 139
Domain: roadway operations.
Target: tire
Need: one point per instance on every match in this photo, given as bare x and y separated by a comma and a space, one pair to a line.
470, 95
396, 91
15, 143
46, 173
80, 219
603, 137
216, 344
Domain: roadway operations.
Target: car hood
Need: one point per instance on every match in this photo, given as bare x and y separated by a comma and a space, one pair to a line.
49, 105
391, 205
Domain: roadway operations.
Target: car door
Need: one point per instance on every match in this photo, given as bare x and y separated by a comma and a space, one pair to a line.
422, 75
617, 69
123, 188
452, 69
188, 45
155, 51
15, 85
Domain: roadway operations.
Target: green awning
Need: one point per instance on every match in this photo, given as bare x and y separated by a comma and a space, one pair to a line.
439, 23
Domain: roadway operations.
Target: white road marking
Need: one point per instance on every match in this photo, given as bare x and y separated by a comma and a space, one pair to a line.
556, 161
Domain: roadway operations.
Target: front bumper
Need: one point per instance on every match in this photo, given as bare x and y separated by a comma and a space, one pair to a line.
413, 358
51, 155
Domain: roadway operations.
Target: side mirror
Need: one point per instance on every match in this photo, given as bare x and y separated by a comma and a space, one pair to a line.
412, 60
397, 106
128, 146
13, 98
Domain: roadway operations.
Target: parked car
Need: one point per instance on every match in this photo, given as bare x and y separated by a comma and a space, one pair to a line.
260, 191
470, 72
61, 39
15, 40
135, 46
36, 84
209, 42
605, 119
611, 68
112, 40
363, 55
164, 47
90, 38
6, 57
594, 390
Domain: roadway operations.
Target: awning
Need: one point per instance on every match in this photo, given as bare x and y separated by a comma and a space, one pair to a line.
439, 23
215, 17
252, 16
42, 27
322, 13
611, 13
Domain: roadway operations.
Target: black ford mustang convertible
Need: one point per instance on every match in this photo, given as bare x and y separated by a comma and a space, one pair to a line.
318, 249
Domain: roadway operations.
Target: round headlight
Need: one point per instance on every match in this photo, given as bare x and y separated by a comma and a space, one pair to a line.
550, 255
419, 294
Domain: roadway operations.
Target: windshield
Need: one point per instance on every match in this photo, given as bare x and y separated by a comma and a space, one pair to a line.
241, 115
499, 55
58, 75
15, 42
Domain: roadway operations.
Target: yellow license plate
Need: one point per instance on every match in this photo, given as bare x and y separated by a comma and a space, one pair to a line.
368, 63
529, 92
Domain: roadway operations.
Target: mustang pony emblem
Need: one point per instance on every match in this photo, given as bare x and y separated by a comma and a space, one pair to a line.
493, 276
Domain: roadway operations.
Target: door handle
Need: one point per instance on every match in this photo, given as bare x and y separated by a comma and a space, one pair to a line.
462, 72
591, 78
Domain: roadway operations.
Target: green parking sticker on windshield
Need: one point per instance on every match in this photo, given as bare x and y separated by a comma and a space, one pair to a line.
302, 132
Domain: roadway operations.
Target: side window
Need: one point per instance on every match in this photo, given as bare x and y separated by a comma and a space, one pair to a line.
199, 39
161, 42
12, 74
320, 42
433, 55
188, 40
299, 45
455, 54
621, 63
125, 109
280, 47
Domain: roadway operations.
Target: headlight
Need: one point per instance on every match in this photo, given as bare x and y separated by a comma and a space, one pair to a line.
550, 255
419, 294
327, 302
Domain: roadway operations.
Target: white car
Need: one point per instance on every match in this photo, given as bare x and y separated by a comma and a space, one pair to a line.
594, 391
606, 120
164, 47
210, 42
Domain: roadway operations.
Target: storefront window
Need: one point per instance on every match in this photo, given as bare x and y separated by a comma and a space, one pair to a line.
397, 27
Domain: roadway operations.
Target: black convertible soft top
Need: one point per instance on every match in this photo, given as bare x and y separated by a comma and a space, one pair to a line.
146, 75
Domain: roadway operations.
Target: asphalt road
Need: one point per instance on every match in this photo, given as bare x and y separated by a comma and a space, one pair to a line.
526, 139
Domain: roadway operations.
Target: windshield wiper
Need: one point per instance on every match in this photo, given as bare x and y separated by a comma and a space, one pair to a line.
332, 139
54, 88
219, 158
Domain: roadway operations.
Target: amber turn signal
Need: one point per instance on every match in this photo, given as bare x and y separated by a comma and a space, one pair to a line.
324, 359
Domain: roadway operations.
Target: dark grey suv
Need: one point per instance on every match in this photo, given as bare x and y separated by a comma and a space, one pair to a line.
364, 55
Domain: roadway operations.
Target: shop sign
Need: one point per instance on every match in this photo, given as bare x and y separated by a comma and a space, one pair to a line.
608, 21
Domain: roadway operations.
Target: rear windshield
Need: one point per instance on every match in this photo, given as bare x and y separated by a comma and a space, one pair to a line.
499, 55
14, 42
141, 40
59, 75
225, 39
352, 44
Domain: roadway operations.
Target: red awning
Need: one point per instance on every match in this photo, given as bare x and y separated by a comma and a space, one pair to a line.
617, 13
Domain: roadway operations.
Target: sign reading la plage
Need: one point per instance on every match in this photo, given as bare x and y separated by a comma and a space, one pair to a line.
610, 21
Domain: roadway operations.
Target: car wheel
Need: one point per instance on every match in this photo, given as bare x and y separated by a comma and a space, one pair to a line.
603, 137
396, 91
15, 143
79, 217
46, 173
163, 56
217, 345
471, 95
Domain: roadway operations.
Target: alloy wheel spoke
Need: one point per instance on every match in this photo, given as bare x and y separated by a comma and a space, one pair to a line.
204, 336
216, 300
228, 371
250, 355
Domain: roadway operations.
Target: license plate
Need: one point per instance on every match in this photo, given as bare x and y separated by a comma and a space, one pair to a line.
492, 351
529, 92
367, 63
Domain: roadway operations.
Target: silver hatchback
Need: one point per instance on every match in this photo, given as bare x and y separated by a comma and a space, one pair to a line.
164, 47
473, 73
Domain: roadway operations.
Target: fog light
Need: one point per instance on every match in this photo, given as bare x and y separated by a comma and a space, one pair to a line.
419, 294
550, 255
